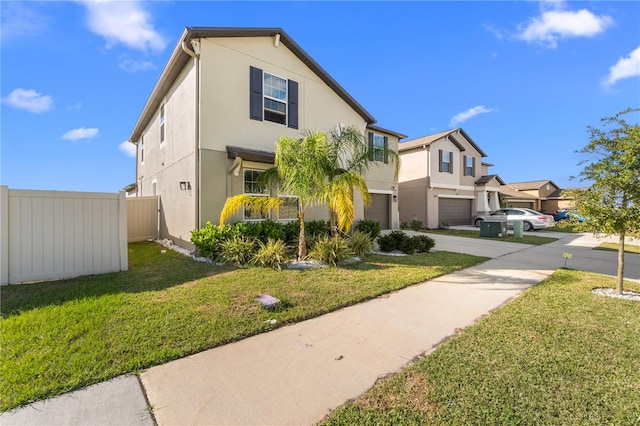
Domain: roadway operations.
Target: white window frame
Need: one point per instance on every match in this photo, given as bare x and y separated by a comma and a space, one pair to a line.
448, 163
253, 194
288, 219
468, 166
163, 127
142, 149
378, 151
285, 101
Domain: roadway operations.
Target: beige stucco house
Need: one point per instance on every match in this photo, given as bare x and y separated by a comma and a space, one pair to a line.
443, 180
211, 122
539, 195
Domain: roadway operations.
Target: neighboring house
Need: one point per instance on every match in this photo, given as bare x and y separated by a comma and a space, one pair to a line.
539, 195
443, 180
210, 125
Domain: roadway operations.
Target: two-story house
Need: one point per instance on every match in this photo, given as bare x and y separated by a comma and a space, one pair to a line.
210, 125
443, 180
539, 195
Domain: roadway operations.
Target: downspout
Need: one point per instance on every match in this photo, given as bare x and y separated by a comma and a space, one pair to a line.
195, 54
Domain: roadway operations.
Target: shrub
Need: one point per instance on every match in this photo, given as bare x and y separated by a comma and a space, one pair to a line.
263, 230
238, 250
270, 254
207, 240
416, 224
444, 225
398, 240
331, 250
391, 241
316, 227
424, 243
371, 227
291, 232
361, 243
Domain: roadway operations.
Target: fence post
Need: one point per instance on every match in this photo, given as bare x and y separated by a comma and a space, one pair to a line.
122, 227
4, 235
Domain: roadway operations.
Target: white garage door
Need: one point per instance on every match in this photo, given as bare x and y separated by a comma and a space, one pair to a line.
378, 210
454, 211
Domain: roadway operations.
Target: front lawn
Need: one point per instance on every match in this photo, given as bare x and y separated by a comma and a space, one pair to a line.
526, 239
62, 335
628, 248
558, 354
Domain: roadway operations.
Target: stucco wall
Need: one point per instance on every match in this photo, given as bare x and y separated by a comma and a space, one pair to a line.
173, 161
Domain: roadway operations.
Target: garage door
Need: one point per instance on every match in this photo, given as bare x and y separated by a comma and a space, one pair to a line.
454, 211
523, 204
378, 210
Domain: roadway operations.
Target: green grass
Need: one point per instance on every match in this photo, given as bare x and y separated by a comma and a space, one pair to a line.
561, 227
558, 354
62, 335
628, 248
526, 239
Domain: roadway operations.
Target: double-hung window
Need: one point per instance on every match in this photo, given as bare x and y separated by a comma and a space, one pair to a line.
289, 209
162, 126
273, 98
469, 166
445, 161
142, 150
378, 148
254, 188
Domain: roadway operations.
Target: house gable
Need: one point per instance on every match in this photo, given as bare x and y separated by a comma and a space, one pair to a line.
189, 45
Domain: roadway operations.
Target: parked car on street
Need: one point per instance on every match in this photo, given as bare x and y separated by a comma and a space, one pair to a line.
531, 219
565, 214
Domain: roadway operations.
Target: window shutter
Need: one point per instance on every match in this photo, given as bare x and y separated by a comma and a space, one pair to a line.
440, 160
473, 167
386, 150
255, 93
293, 104
464, 167
370, 146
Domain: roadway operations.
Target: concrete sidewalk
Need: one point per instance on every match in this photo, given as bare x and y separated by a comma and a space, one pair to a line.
299, 373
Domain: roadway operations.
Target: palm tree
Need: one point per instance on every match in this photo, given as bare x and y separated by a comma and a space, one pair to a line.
349, 160
318, 170
298, 171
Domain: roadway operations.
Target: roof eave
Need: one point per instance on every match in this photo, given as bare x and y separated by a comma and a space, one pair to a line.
179, 58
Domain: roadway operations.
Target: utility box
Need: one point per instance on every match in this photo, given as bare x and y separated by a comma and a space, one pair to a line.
493, 229
517, 228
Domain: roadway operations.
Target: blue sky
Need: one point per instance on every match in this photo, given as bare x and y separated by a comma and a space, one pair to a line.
523, 79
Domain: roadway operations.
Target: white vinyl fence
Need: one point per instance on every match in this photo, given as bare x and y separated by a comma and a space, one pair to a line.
48, 235
142, 218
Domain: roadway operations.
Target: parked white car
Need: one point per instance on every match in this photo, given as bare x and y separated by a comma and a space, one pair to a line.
531, 219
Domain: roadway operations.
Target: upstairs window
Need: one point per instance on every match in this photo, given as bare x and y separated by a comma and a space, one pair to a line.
445, 161
469, 166
378, 148
273, 98
162, 123
142, 150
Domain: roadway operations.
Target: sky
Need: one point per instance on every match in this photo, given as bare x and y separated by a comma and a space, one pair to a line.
524, 79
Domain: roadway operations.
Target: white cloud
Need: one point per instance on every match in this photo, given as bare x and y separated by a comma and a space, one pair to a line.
128, 148
124, 22
471, 112
626, 67
20, 20
132, 66
81, 133
553, 25
29, 100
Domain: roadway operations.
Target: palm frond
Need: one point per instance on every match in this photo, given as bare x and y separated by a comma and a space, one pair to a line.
257, 204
